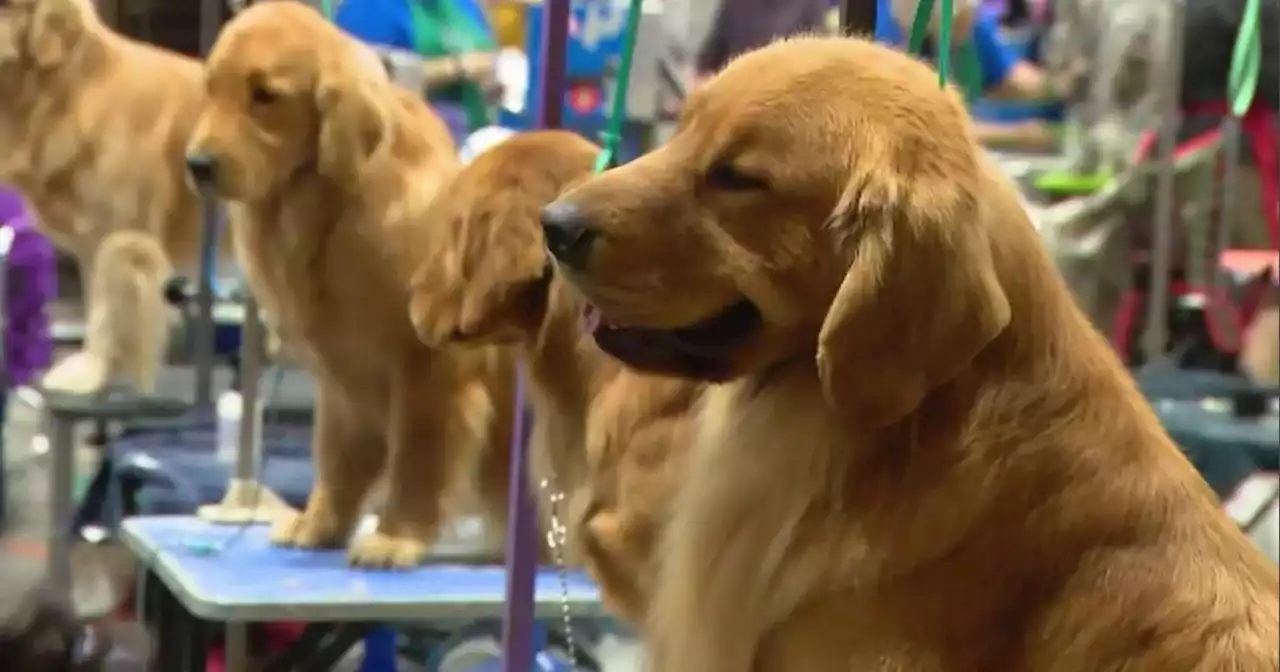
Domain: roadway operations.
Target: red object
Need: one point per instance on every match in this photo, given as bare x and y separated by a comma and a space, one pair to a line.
279, 636
584, 98
1257, 126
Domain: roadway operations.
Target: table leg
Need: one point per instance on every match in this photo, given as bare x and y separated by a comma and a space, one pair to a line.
194, 638
312, 640
61, 477
236, 647
344, 637
169, 629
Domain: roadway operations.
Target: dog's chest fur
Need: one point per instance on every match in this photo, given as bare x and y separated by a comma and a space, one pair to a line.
323, 277
762, 530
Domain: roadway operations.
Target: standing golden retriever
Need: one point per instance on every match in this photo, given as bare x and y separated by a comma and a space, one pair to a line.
922, 456
613, 438
329, 170
92, 130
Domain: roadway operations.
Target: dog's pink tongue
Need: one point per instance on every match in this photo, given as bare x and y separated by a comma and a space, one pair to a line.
590, 319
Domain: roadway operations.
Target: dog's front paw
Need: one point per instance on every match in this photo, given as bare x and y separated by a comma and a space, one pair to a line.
309, 529
80, 373
383, 551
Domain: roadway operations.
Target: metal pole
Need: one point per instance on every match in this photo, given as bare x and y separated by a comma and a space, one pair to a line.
211, 15
522, 528
1155, 339
203, 333
248, 457
211, 12
61, 478
858, 17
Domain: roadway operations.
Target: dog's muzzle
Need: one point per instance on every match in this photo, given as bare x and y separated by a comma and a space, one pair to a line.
203, 170
568, 233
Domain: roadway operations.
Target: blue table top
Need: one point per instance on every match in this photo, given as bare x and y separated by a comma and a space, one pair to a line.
245, 578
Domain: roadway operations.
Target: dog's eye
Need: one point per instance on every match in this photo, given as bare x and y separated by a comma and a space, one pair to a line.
727, 177
261, 95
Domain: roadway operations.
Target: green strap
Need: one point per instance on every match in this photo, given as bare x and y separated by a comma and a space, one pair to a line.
969, 66
326, 8
612, 137
1246, 60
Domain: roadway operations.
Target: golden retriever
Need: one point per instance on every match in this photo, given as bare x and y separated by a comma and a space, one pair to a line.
922, 455
92, 130
328, 169
612, 439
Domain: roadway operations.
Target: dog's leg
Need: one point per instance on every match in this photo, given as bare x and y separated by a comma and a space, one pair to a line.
493, 478
349, 460
434, 428
127, 325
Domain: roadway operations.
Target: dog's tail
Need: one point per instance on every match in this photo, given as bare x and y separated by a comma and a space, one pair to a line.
128, 325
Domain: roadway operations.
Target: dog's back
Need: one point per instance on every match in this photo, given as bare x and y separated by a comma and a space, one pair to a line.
1118, 552
96, 141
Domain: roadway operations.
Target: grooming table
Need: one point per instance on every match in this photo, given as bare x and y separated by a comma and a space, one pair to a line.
246, 579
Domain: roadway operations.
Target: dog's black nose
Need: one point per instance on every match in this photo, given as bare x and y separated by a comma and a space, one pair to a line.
568, 235
203, 169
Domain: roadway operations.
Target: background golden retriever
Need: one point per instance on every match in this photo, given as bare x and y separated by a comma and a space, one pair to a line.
329, 170
611, 438
92, 130
924, 457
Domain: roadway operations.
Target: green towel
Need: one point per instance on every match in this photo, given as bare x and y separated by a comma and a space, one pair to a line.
442, 28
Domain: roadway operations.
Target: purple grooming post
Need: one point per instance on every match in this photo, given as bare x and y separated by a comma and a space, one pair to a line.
522, 530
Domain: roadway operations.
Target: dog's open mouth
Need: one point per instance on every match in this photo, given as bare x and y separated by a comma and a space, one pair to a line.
703, 350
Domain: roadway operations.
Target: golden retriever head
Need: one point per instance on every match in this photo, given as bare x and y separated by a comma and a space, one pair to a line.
42, 34
820, 199
486, 277
288, 94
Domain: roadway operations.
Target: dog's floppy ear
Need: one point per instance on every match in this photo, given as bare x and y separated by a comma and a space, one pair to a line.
481, 263
56, 26
354, 123
920, 298
486, 268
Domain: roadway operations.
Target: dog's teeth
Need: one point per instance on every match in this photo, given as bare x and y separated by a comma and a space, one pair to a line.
591, 319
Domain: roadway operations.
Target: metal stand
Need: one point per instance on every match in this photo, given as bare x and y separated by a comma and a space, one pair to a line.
1156, 337
61, 482
247, 500
203, 334
63, 412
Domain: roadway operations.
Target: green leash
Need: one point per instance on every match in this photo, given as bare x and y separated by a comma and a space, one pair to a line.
612, 137
1242, 88
969, 67
1246, 60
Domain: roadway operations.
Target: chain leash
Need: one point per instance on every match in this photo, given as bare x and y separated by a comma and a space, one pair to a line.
558, 541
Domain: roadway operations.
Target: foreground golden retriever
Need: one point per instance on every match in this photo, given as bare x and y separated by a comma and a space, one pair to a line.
612, 438
92, 130
329, 170
922, 457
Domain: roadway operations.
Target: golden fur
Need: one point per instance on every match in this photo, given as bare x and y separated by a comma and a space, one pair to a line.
329, 170
608, 437
92, 129
923, 457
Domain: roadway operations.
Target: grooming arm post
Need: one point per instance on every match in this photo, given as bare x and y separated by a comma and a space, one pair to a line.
248, 500
522, 528
1155, 339
203, 334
